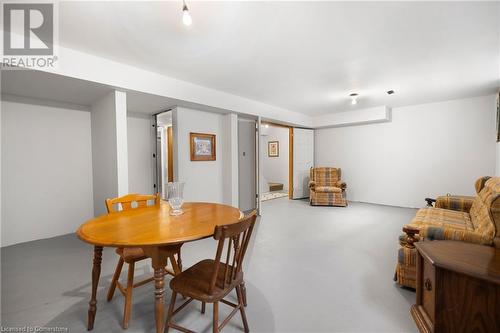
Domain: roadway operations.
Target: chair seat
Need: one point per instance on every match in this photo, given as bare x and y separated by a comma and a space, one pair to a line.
194, 282
131, 253
136, 253
327, 189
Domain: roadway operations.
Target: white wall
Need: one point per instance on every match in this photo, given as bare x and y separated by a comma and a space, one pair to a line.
109, 149
381, 114
120, 111
140, 150
203, 178
274, 169
1, 212
426, 150
230, 159
46, 171
497, 173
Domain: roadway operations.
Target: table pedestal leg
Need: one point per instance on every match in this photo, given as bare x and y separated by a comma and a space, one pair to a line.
96, 272
159, 297
158, 257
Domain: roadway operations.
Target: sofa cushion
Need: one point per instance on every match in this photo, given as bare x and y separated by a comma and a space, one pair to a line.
439, 217
328, 199
327, 189
325, 176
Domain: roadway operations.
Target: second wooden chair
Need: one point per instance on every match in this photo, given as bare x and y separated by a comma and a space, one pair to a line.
131, 255
209, 281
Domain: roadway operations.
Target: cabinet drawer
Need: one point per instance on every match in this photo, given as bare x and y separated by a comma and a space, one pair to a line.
428, 288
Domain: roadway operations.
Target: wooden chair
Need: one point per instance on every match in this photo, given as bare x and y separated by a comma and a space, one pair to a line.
132, 255
209, 281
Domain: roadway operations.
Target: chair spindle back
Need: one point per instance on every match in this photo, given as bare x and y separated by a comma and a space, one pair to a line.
127, 202
238, 236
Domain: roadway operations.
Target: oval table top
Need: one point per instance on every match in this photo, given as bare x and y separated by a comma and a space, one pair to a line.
154, 226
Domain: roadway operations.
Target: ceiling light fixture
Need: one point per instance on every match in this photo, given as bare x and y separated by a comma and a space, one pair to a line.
354, 98
186, 17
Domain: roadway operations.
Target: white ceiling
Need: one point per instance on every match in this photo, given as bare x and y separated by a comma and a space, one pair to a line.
45, 86
303, 56
52, 87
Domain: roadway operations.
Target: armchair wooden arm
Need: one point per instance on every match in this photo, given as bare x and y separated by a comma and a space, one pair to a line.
341, 184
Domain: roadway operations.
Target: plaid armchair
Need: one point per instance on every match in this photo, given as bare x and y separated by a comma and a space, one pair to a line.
326, 188
460, 218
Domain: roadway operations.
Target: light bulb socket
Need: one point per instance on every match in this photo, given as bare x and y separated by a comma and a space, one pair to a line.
354, 97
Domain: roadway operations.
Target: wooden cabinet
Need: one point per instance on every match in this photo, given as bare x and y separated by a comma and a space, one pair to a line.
458, 287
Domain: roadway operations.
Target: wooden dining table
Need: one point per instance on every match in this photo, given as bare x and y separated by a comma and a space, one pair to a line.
153, 229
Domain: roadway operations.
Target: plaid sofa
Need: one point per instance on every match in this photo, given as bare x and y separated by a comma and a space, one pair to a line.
326, 188
460, 218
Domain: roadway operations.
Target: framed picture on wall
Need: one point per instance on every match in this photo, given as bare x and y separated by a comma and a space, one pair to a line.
273, 149
202, 147
498, 117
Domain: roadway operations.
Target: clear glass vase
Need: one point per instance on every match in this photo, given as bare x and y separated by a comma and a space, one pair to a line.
175, 197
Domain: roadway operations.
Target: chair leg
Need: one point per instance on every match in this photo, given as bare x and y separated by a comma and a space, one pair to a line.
179, 260
242, 309
202, 307
244, 293
175, 265
215, 323
116, 276
170, 311
128, 296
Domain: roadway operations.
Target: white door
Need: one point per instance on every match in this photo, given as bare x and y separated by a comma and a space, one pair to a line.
303, 160
246, 164
257, 164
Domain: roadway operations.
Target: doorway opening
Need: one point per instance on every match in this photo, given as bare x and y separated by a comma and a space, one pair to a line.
276, 156
164, 152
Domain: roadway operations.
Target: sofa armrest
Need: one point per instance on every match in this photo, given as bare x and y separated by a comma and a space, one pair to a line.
430, 202
410, 236
340, 184
444, 233
455, 202
312, 184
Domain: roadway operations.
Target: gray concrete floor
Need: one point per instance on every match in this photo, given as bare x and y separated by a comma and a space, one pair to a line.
309, 269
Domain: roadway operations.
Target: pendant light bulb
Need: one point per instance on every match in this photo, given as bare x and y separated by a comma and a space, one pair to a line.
354, 101
186, 17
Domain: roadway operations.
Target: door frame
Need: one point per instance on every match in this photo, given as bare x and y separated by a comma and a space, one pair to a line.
157, 181
290, 154
170, 153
